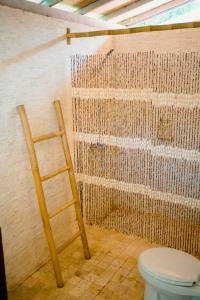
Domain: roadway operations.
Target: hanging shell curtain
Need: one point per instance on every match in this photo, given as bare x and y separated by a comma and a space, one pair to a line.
137, 144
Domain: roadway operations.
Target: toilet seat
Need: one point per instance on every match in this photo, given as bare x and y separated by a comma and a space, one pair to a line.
171, 266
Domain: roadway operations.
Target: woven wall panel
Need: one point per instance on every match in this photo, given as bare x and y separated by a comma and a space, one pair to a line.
171, 73
166, 223
137, 148
138, 119
168, 175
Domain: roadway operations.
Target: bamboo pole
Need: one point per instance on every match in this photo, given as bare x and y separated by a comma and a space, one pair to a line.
47, 136
54, 173
59, 210
68, 242
40, 194
150, 28
72, 178
68, 39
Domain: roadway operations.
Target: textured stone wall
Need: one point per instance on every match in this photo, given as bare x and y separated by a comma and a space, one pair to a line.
34, 70
137, 119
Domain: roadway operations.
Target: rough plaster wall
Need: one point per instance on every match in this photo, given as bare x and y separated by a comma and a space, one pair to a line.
164, 41
34, 70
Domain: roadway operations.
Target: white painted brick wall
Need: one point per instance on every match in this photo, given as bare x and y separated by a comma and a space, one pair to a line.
34, 70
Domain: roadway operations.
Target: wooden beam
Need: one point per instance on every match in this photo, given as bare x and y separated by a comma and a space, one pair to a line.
92, 6
111, 6
154, 12
84, 3
118, 6
50, 2
126, 9
133, 30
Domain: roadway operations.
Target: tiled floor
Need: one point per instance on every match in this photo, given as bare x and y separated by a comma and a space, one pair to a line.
110, 274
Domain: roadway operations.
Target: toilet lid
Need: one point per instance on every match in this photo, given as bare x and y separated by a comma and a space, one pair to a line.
170, 265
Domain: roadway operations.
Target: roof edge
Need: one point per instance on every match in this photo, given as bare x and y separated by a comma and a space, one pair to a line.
57, 13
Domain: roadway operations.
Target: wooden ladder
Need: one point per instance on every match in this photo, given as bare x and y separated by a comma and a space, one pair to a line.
38, 179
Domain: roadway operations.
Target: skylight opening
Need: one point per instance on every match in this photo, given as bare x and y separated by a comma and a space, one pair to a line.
138, 10
188, 12
65, 7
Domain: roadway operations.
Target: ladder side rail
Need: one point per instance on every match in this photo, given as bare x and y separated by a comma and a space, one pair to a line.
40, 194
72, 179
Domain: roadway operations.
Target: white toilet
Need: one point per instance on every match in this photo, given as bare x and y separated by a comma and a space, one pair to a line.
170, 274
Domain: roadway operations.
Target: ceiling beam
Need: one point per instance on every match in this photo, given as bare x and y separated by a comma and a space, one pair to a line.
134, 9
50, 2
122, 4
91, 6
153, 12
112, 6
84, 3
126, 9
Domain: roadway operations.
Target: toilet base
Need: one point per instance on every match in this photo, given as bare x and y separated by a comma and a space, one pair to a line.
152, 293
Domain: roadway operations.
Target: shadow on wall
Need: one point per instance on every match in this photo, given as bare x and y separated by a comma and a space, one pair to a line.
33, 51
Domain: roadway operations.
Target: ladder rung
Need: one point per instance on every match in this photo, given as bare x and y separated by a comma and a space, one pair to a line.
47, 136
59, 210
54, 173
65, 244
